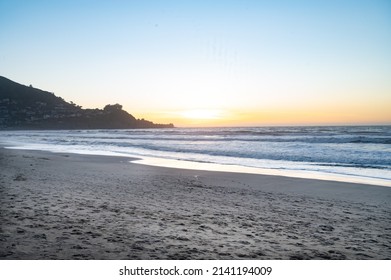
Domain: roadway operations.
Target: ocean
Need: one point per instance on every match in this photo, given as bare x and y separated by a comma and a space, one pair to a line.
344, 153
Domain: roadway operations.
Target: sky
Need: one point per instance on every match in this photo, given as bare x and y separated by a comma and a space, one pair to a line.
207, 63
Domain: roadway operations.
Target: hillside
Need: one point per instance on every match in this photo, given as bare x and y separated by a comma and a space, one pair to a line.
23, 107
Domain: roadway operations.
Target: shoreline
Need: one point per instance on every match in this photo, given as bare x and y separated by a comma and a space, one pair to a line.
215, 167
72, 206
300, 174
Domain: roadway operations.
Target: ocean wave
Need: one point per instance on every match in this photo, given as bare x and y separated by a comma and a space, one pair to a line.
334, 148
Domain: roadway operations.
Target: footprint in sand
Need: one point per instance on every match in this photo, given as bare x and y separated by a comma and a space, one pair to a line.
20, 178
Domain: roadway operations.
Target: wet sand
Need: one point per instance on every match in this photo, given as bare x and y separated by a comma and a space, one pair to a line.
68, 206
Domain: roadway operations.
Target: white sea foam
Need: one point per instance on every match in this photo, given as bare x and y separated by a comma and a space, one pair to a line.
352, 154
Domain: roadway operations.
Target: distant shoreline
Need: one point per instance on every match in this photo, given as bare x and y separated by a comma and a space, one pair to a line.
29, 108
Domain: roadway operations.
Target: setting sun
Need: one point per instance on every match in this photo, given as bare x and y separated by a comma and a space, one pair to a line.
202, 114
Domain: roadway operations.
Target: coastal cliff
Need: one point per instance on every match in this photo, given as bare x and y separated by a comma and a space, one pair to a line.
26, 107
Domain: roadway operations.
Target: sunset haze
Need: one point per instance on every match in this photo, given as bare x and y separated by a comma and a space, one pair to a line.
207, 63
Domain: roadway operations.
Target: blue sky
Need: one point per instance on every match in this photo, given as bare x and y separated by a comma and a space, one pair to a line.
250, 62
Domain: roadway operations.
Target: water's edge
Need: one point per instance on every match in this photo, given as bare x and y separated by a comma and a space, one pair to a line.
192, 165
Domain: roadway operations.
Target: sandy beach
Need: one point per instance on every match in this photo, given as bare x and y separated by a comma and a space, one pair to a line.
69, 206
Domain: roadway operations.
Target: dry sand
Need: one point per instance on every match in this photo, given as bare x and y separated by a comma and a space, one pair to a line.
68, 206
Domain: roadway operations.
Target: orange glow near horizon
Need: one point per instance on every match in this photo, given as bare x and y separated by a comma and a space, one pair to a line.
338, 114
312, 106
